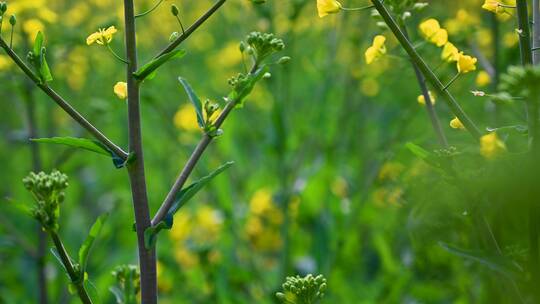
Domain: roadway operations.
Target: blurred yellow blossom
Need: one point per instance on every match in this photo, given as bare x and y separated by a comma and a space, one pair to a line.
483, 79
491, 146
450, 52
376, 50
421, 99
466, 63
5, 62
32, 26
186, 119
264, 221
340, 187
390, 171
261, 201
370, 87
456, 124
432, 31
120, 89
326, 7
102, 36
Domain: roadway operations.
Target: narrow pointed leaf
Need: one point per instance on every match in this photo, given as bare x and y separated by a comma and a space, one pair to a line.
194, 100
148, 69
87, 245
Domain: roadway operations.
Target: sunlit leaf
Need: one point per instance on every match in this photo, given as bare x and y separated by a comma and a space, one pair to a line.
194, 100
148, 70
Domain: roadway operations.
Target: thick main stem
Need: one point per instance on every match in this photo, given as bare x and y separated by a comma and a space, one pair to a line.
147, 257
73, 275
424, 68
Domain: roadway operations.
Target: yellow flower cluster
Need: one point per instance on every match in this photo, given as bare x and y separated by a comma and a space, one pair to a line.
102, 36
491, 146
376, 50
502, 8
263, 222
196, 229
432, 31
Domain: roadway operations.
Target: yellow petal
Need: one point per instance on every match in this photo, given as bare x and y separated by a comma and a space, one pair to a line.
120, 89
456, 124
326, 7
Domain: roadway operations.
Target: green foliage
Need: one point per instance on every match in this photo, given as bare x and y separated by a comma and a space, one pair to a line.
148, 71
303, 290
37, 58
128, 280
84, 251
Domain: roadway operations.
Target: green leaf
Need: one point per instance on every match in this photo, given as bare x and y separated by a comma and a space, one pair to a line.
418, 151
89, 145
87, 244
181, 198
44, 70
118, 294
194, 100
38, 44
58, 258
148, 70
81, 143
498, 263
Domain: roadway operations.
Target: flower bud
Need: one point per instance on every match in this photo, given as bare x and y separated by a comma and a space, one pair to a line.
174, 10
3, 7
284, 60
242, 46
174, 36
12, 20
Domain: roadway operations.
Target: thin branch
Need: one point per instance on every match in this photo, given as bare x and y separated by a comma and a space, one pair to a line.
150, 10
189, 166
428, 73
435, 123
483, 60
63, 103
76, 278
191, 29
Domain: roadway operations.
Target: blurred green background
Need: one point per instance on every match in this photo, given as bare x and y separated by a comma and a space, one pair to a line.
322, 181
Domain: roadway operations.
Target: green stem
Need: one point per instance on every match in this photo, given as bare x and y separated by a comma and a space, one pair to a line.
60, 101
357, 8
147, 257
181, 25
428, 73
173, 45
76, 278
116, 55
150, 10
524, 32
435, 123
452, 81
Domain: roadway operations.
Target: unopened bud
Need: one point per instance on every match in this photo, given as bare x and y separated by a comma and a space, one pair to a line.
267, 75
242, 46
12, 20
3, 7
174, 10
174, 36
284, 60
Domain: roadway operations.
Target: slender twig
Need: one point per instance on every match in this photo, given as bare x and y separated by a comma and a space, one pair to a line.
435, 123
181, 25
63, 103
11, 37
483, 60
76, 278
191, 29
350, 9
428, 73
116, 55
524, 32
147, 257
451, 81
150, 10
189, 166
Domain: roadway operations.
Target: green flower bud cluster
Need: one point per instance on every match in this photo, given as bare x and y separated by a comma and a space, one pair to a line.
210, 109
521, 81
128, 276
48, 191
262, 45
298, 290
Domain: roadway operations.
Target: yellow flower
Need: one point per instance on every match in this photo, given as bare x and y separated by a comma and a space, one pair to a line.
491, 146
491, 5
483, 79
429, 27
450, 52
376, 50
421, 100
466, 63
102, 36
261, 202
326, 7
456, 124
32, 27
432, 31
120, 89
